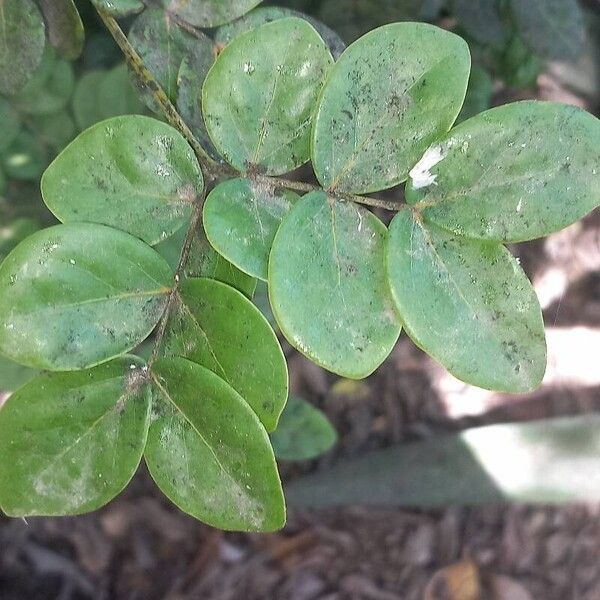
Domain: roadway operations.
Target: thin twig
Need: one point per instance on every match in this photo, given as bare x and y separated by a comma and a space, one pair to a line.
179, 274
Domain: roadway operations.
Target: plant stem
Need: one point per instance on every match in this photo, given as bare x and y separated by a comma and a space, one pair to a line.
178, 276
149, 82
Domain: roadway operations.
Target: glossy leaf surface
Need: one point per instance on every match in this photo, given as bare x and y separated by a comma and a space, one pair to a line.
65, 29
131, 172
22, 39
208, 452
328, 288
73, 296
259, 96
468, 304
513, 173
217, 327
241, 219
209, 13
304, 432
70, 442
391, 93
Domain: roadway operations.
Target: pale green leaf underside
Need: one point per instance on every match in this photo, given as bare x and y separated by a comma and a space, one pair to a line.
130, 172
209, 13
389, 96
513, 173
70, 442
208, 452
328, 288
22, 39
468, 304
304, 432
73, 296
219, 328
259, 96
241, 218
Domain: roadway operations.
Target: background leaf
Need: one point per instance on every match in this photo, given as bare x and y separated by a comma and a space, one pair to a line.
119, 8
73, 296
226, 33
131, 172
553, 28
328, 288
22, 39
304, 432
217, 327
70, 442
468, 304
481, 20
390, 95
513, 173
65, 29
209, 13
208, 452
241, 218
259, 96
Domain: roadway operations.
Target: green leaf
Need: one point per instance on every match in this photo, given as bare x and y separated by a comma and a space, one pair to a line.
209, 13
204, 261
65, 29
13, 375
390, 95
85, 106
552, 28
219, 328
468, 304
10, 124
55, 130
328, 288
259, 96
14, 232
481, 20
130, 172
70, 442
479, 93
22, 39
192, 73
241, 218
119, 8
26, 158
162, 45
225, 34
304, 432
52, 95
518, 65
513, 173
208, 452
73, 296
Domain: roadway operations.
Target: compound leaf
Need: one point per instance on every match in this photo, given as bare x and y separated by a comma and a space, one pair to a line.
468, 304
130, 172
208, 452
225, 34
241, 218
65, 29
328, 288
304, 432
389, 96
552, 28
259, 96
209, 13
205, 261
119, 8
217, 327
70, 442
22, 40
512, 173
73, 296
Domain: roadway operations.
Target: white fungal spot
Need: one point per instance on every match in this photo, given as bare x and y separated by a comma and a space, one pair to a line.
249, 68
421, 174
520, 205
